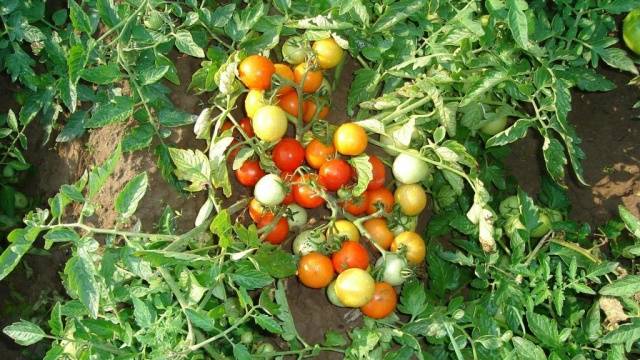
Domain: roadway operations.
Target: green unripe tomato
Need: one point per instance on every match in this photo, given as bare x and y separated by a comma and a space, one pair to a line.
265, 348
246, 337
631, 30
293, 50
543, 228
20, 200
484, 20
8, 171
331, 294
509, 206
494, 126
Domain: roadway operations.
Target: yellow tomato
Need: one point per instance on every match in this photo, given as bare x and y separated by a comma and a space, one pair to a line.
354, 287
345, 229
270, 123
415, 247
350, 139
411, 198
253, 102
328, 53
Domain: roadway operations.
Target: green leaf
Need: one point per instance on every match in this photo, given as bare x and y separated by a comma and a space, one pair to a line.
79, 19
364, 172
545, 329
621, 6
397, 12
164, 257
514, 132
528, 211
138, 138
486, 83
117, 110
517, 22
191, 166
20, 242
222, 228
102, 74
220, 175
364, 86
591, 323
107, 12
143, 313
76, 60
55, 320
74, 128
413, 299
81, 279
152, 75
554, 158
186, 45
240, 352
200, 319
128, 199
627, 333
60, 235
54, 353
527, 350
24, 332
630, 221
250, 279
174, 118
276, 262
333, 338
99, 175
222, 15
626, 286
12, 121
618, 58
268, 323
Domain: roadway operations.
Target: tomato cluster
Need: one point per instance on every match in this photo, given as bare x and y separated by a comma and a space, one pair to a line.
321, 172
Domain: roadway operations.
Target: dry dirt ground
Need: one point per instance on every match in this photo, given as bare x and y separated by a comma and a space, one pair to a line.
604, 121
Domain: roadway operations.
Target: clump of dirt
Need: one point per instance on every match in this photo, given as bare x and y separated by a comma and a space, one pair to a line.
609, 129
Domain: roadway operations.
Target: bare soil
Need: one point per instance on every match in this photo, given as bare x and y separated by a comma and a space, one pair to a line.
604, 121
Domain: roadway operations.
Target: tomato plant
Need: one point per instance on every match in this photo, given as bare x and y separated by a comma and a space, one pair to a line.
309, 79
270, 123
328, 53
381, 198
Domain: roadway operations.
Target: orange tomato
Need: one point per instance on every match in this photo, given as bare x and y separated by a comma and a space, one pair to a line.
380, 196
315, 270
357, 206
278, 233
312, 80
351, 255
285, 72
257, 211
255, 72
317, 153
350, 139
379, 232
310, 109
289, 103
416, 249
383, 303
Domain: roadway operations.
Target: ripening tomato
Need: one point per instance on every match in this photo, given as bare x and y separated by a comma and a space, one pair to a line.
310, 109
254, 101
289, 198
378, 171
249, 173
269, 190
350, 139
255, 72
383, 303
408, 168
334, 174
328, 53
344, 230
494, 126
245, 125
294, 50
351, 255
257, 211
285, 72
415, 247
278, 233
317, 153
312, 78
288, 154
379, 232
358, 205
226, 126
411, 198
354, 287
315, 270
270, 123
289, 103
305, 194
380, 196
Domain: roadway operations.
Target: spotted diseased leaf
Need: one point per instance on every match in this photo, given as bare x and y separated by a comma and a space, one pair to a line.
527, 350
395, 13
625, 334
220, 174
514, 132
528, 211
488, 82
618, 58
186, 45
554, 158
200, 319
144, 314
81, 280
128, 199
24, 332
517, 22
79, 19
76, 61
192, 166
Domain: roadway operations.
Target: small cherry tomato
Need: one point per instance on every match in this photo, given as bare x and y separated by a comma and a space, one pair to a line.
289, 103
249, 173
317, 153
253, 102
310, 109
257, 211
334, 174
378, 171
269, 190
409, 169
315, 270
312, 78
380, 196
278, 233
288, 154
358, 205
344, 230
411, 198
416, 249
255, 72
304, 193
350, 139
328, 53
293, 50
379, 232
355, 287
351, 255
245, 125
270, 123
285, 72
383, 302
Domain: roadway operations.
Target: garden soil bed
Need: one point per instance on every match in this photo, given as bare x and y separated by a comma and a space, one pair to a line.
605, 122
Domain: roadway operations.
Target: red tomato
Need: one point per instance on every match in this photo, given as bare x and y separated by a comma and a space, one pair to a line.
357, 206
288, 154
255, 72
226, 126
351, 255
249, 173
383, 302
305, 195
245, 125
289, 103
378, 171
257, 211
334, 174
382, 196
289, 199
310, 109
279, 232
285, 72
318, 153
